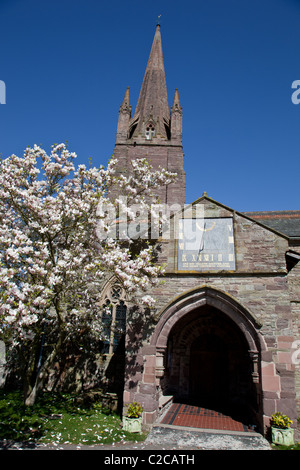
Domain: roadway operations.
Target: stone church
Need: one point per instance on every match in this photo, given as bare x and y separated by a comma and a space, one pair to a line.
226, 328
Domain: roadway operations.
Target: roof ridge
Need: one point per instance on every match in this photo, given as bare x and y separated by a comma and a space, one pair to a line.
274, 214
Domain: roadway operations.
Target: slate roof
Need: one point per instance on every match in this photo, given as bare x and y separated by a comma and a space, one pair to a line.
285, 222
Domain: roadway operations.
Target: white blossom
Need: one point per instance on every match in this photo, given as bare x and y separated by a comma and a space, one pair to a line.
50, 255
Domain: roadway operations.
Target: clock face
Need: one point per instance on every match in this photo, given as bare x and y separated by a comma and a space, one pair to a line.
206, 245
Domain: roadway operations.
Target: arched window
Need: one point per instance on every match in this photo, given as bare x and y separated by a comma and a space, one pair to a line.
150, 132
114, 311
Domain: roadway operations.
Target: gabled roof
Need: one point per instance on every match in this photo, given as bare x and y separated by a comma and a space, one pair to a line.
248, 215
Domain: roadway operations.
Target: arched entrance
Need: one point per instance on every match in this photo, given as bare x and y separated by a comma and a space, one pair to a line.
208, 370
208, 353
209, 365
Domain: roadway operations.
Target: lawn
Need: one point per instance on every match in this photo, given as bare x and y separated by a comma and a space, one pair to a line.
296, 446
59, 419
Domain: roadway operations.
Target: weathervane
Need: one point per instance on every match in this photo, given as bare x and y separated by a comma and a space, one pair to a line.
158, 19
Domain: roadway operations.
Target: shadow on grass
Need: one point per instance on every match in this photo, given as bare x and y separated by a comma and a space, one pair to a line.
58, 418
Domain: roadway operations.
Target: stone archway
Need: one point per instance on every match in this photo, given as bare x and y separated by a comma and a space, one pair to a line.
208, 364
208, 348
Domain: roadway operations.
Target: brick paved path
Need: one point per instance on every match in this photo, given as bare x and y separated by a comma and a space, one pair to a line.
198, 417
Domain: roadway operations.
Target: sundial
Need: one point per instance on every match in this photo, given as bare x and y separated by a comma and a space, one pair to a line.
205, 244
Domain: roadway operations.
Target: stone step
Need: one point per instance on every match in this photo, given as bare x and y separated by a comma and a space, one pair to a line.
204, 439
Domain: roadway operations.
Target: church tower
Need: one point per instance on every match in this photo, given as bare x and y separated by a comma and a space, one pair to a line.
154, 132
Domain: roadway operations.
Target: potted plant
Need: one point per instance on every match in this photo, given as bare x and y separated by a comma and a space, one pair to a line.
282, 433
133, 421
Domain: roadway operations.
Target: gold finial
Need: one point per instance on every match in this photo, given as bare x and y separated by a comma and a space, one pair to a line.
158, 19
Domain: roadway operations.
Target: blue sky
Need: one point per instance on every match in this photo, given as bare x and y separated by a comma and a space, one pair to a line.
66, 65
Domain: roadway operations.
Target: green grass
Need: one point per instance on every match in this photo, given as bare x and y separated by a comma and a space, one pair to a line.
58, 419
296, 446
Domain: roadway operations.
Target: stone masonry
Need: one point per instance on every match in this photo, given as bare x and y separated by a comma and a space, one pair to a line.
259, 288
232, 305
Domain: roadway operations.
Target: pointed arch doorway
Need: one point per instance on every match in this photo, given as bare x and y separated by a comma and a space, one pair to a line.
208, 355
208, 371
209, 364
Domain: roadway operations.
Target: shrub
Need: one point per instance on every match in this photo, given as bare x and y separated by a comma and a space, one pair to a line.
134, 410
279, 420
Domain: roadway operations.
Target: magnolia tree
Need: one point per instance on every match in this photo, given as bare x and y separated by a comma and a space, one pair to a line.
56, 246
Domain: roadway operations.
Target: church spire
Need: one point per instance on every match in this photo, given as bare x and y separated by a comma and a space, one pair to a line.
151, 117
154, 132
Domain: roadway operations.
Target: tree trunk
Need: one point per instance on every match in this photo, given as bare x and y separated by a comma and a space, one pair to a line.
29, 399
29, 367
32, 387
